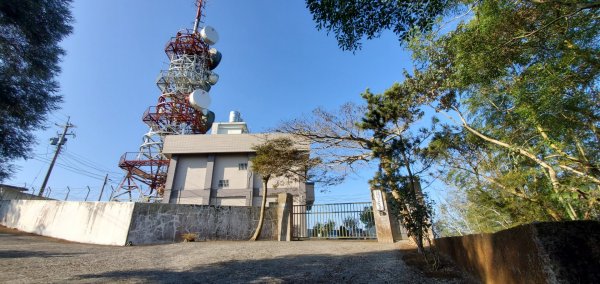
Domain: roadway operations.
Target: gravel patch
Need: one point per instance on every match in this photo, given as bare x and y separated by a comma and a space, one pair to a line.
27, 258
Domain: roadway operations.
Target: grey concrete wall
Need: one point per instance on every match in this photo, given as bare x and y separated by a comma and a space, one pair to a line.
550, 252
103, 223
154, 223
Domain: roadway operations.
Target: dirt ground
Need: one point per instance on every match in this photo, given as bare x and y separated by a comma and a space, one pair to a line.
26, 258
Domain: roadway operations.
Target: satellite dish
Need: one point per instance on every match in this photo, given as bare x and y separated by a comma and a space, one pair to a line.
210, 118
213, 78
209, 35
199, 99
215, 58
205, 86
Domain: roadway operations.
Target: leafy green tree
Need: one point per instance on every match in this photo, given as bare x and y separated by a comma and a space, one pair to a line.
349, 227
323, 229
350, 223
328, 228
317, 230
462, 212
493, 198
30, 32
518, 84
279, 158
383, 131
392, 117
520, 80
352, 20
367, 217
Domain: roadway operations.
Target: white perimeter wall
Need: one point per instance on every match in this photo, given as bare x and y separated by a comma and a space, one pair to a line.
105, 223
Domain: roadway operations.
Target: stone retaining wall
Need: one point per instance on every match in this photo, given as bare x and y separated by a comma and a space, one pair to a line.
154, 223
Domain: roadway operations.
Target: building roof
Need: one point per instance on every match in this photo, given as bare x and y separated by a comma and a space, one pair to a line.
222, 143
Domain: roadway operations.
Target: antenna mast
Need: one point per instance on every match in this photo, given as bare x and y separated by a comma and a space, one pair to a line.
200, 4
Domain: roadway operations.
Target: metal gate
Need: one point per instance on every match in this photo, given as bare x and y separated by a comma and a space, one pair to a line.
334, 221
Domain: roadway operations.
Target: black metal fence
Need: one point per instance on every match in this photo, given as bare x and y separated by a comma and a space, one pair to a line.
334, 221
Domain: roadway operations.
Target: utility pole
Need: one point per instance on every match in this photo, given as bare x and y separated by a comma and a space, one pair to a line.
60, 142
103, 185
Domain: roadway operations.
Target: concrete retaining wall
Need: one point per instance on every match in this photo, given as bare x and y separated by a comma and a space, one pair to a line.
154, 223
105, 223
565, 252
116, 223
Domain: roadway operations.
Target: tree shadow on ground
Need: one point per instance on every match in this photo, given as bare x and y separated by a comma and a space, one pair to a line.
371, 267
25, 254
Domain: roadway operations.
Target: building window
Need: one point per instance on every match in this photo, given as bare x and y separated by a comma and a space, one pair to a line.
243, 166
223, 183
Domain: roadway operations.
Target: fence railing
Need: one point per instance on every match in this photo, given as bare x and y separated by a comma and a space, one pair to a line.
334, 221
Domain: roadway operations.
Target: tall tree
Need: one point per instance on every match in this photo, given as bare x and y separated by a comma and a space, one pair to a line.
518, 84
30, 33
383, 131
522, 78
397, 145
279, 158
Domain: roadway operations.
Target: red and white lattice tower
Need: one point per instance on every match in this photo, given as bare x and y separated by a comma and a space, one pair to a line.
182, 108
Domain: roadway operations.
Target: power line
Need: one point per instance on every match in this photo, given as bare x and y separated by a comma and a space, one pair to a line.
88, 162
77, 171
68, 165
75, 168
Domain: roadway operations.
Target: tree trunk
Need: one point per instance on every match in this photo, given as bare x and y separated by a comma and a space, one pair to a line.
261, 218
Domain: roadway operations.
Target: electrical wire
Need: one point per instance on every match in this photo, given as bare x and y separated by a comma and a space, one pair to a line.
77, 171
88, 162
68, 160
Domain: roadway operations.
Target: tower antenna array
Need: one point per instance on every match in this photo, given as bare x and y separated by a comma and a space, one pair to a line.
181, 109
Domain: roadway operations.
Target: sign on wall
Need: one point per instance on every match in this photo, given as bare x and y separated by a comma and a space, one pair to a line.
377, 194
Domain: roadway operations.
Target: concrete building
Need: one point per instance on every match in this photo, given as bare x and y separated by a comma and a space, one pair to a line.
214, 169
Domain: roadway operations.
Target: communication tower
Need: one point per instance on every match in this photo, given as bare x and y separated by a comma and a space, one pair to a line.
182, 108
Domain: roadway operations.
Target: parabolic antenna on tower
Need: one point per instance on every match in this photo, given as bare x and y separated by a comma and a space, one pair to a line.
200, 99
215, 58
213, 78
209, 35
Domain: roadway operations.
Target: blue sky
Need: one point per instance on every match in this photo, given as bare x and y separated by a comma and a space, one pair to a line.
276, 66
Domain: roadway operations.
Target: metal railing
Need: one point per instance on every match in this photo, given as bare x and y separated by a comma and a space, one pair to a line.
334, 221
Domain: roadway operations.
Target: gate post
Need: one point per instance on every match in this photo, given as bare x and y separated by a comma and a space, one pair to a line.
285, 224
385, 225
